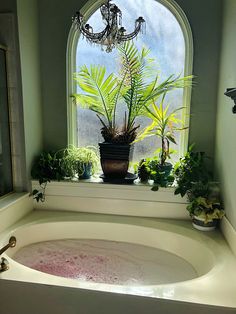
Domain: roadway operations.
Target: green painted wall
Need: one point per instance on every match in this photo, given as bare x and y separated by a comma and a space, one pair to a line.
55, 22
31, 85
8, 6
205, 17
226, 121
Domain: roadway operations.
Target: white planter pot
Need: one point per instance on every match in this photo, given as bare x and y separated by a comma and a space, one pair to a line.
199, 224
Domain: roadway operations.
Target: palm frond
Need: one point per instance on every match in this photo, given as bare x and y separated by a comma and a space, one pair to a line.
100, 92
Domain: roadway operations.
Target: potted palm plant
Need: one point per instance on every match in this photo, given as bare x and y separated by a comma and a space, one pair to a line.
164, 125
101, 93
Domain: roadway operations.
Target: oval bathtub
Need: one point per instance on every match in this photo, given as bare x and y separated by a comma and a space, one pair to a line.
157, 259
122, 254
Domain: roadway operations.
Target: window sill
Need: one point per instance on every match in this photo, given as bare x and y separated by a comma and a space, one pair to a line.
94, 196
11, 199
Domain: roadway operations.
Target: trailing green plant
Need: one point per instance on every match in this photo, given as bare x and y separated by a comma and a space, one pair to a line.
63, 164
46, 167
194, 179
134, 84
165, 124
190, 169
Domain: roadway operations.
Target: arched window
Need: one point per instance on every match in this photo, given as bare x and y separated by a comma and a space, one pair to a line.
168, 36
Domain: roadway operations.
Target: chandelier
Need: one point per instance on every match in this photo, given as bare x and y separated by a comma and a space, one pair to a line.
114, 33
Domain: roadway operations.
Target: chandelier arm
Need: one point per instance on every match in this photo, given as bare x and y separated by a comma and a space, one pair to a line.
92, 36
130, 36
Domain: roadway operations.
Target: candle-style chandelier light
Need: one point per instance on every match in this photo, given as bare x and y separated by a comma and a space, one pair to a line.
114, 33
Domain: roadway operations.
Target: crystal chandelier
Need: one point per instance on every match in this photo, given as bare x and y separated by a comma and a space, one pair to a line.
114, 33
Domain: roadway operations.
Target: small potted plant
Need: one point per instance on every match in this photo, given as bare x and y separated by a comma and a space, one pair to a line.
205, 206
164, 125
194, 180
149, 169
134, 85
143, 170
84, 160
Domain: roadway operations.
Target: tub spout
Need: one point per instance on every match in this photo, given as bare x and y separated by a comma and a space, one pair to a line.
12, 243
4, 265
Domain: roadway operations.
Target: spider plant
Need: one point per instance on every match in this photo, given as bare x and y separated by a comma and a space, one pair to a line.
165, 124
81, 159
135, 84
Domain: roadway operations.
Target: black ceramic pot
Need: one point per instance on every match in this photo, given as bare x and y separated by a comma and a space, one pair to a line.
115, 159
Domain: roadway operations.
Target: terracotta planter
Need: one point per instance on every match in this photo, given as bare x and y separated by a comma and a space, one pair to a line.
115, 159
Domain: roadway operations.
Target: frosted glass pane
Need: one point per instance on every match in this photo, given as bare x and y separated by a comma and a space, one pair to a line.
163, 37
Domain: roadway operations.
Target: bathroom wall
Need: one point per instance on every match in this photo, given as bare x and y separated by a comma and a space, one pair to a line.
226, 121
205, 17
9, 38
8, 6
55, 21
30, 69
26, 25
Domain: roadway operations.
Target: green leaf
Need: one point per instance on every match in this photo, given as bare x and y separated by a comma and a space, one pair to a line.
171, 138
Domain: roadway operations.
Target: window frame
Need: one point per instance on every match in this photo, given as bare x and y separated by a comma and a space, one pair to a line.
4, 49
8, 42
87, 10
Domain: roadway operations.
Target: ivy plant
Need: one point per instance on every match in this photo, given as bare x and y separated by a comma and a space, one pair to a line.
190, 169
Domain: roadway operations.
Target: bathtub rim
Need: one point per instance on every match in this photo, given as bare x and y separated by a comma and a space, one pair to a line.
209, 266
214, 241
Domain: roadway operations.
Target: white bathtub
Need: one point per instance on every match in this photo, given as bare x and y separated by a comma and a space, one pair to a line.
208, 253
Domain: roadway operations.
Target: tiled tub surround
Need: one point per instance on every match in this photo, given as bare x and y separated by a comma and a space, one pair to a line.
205, 253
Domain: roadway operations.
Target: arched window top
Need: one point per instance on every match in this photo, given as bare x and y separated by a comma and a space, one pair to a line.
168, 36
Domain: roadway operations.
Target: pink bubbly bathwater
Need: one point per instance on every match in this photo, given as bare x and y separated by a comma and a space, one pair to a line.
103, 261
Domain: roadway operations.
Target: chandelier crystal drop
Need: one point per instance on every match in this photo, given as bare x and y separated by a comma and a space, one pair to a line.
114, 33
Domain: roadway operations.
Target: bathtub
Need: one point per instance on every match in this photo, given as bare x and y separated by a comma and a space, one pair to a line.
214, 264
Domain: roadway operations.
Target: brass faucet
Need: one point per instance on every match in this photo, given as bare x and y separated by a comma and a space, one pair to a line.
4, 265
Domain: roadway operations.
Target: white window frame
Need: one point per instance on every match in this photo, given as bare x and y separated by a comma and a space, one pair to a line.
87, 10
